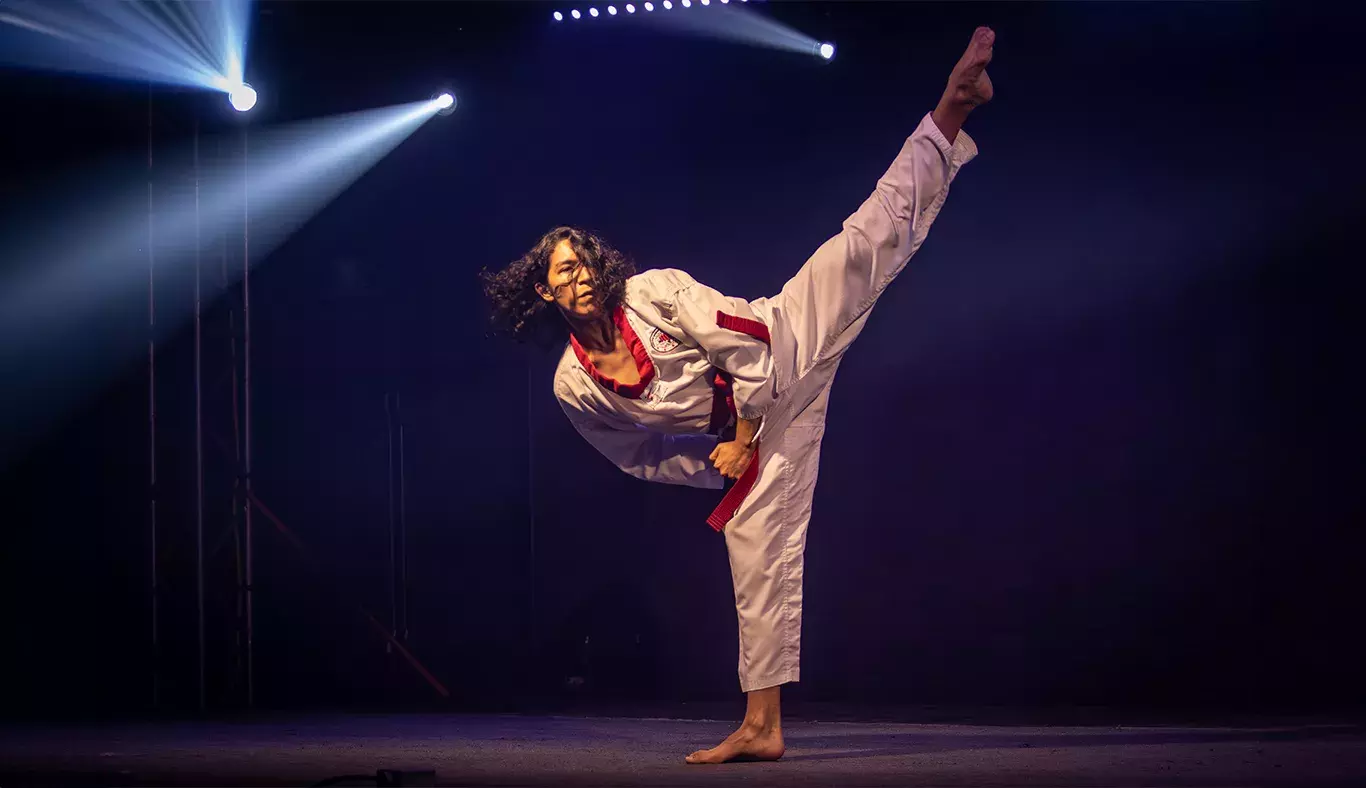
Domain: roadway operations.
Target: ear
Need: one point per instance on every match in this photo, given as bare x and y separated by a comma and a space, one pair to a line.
544, 292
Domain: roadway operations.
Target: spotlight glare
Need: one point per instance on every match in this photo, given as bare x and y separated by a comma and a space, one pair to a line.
559, 17
723, 2
687, 3
444, 103
706, 2
611, 9
649, 6
827, 50
242, 97
575, 13
668, 5
630, 9
592, 12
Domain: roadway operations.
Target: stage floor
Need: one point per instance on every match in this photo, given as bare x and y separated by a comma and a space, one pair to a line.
564, 750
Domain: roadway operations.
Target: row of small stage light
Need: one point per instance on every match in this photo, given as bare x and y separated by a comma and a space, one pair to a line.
631, 9
825, 50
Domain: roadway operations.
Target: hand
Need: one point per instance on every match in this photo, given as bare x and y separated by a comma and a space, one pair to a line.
732, 458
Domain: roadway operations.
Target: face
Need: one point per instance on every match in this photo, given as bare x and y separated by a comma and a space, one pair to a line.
570, 284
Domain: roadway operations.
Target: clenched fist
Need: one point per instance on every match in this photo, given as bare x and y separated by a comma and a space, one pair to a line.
732, 458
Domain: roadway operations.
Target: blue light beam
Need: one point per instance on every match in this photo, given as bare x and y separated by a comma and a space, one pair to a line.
188, 44
64, 274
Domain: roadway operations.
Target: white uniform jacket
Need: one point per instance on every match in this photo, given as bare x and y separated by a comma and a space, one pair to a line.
705, 357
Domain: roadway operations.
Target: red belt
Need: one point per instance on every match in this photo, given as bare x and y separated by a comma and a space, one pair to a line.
725, 510
722, 411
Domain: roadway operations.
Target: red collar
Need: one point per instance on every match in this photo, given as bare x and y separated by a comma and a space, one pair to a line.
644, 365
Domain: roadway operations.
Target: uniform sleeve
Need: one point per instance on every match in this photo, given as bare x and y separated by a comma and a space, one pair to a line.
732, 338
646, 454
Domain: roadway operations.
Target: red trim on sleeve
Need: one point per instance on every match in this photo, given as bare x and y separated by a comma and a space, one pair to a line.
731, 503
644, 365
744, 325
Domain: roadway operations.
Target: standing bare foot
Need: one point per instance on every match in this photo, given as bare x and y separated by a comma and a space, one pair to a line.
750, 743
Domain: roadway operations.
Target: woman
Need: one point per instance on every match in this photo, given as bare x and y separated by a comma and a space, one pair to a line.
676, 383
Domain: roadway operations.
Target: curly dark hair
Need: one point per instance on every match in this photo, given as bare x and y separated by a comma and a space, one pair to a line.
519, 312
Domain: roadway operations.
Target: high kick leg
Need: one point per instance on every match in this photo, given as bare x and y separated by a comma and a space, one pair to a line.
822, 309
812, 322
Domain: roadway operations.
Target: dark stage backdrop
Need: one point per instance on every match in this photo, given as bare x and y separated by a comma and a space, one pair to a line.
1101, 443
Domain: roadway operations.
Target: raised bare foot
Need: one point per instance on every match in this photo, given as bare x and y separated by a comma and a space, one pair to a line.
969, 84
749, 743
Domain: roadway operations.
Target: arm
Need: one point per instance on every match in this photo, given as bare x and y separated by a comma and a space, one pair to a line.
733, 339
745, 430
646, 454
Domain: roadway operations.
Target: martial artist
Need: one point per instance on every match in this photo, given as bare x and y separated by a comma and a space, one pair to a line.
677, 383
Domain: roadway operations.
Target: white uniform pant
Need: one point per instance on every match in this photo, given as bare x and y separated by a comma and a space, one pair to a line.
766, 539
812, 322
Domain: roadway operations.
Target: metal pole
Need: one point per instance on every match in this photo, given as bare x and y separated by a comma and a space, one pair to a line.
531, 504
239, 598
246, 411
152, 410
198, 430
393, 579
402, 520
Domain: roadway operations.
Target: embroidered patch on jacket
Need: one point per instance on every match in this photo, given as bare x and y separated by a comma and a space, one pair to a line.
661, 342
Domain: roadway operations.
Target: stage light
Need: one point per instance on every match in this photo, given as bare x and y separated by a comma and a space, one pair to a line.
242, 97
735, 27
444, 103
575, 13
93, 243
559, 17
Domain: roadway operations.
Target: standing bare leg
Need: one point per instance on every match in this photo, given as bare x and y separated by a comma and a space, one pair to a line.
760, 736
